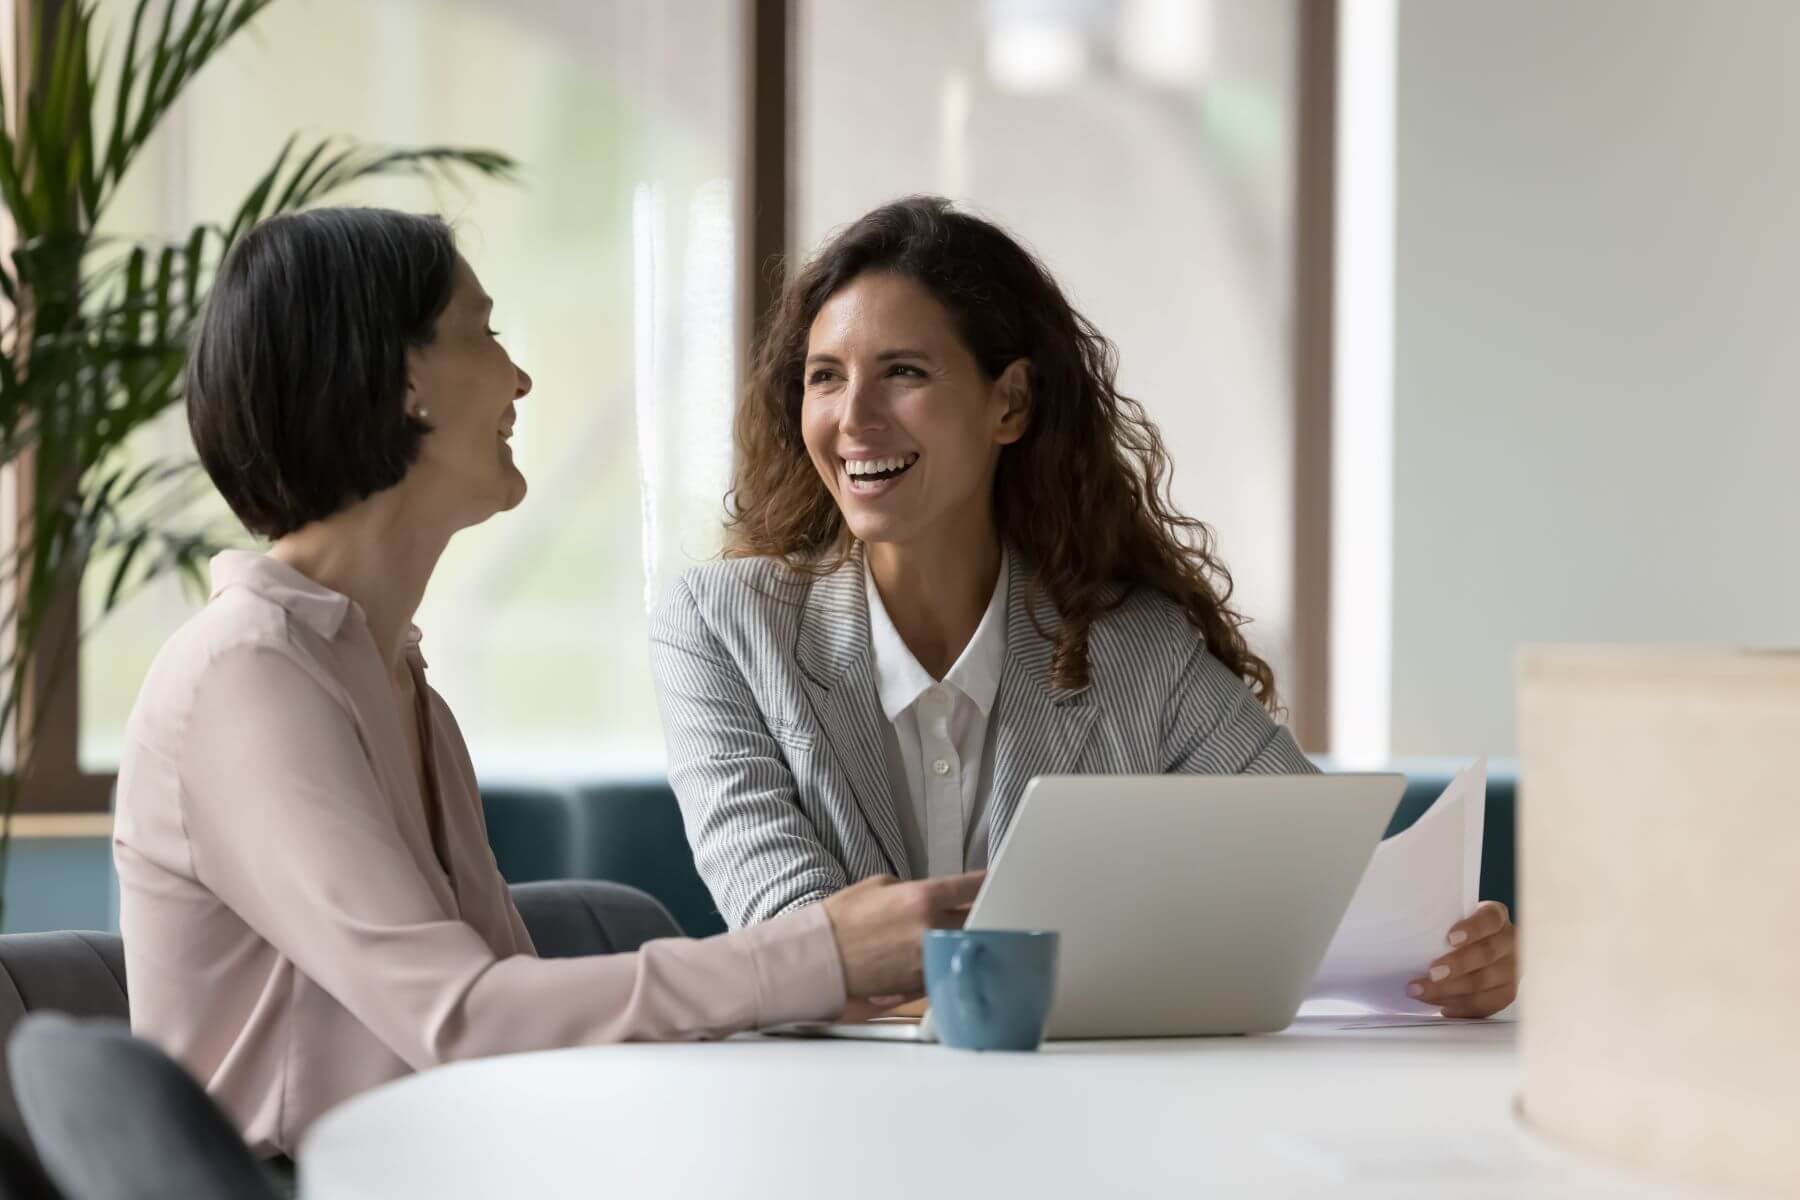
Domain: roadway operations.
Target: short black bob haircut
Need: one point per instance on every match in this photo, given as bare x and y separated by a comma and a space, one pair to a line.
296, 381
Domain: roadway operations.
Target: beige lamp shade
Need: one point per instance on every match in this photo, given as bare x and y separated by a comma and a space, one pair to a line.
1660, 870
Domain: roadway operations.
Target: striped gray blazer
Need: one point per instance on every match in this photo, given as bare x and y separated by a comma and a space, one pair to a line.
766, 682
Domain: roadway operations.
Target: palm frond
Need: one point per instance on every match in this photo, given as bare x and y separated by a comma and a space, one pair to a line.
166, 65
332, 165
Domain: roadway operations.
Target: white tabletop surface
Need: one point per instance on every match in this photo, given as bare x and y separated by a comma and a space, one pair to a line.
1405, 1111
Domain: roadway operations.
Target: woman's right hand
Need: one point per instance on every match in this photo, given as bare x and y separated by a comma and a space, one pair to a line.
880, 926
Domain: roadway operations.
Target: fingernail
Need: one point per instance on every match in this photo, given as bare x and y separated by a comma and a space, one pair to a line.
1458, 938
1438, 974
1415, 990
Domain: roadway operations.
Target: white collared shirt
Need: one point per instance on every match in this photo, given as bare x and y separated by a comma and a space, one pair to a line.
940, 761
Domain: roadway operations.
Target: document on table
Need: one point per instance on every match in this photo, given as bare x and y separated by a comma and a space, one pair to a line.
1419, 883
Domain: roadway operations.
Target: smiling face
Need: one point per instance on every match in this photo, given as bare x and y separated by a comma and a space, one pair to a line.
898, 418
467, 386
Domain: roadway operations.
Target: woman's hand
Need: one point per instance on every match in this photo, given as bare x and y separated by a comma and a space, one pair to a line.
1480, 976
880, 926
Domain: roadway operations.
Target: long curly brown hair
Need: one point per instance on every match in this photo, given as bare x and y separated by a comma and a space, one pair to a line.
1083, 494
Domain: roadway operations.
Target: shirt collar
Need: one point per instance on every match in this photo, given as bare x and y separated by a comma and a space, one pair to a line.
311, 603
900, 680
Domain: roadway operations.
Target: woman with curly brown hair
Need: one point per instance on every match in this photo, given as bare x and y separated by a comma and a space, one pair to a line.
951, 566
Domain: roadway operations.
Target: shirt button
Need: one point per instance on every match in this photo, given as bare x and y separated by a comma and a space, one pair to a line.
941, 767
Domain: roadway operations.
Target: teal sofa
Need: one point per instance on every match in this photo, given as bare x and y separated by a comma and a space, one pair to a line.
627, 831
631, 832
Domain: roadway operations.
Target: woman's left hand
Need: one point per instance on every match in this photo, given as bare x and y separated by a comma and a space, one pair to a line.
1480, 975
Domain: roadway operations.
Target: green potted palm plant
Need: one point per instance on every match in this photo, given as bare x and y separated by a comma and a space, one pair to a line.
95, 327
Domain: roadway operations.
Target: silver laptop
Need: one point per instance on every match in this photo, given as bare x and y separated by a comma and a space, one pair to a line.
1188, 904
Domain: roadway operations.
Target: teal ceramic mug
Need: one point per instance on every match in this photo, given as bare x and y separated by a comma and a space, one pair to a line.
990, 989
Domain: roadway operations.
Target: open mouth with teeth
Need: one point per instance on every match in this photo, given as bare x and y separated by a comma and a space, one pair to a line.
869, 471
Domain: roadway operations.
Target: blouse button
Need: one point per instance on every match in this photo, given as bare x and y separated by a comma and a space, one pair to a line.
941, 767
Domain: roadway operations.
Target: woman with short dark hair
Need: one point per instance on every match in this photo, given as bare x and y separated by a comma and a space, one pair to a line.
339, 298
307, 896
951, 565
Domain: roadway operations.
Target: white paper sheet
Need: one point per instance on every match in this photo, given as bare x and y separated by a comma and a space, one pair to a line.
1419, 883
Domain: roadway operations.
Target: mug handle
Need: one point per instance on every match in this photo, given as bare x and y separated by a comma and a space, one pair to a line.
970, 991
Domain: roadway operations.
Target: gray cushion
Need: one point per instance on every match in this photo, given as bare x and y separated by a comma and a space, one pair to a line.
68, 971
114, 1118
571, 918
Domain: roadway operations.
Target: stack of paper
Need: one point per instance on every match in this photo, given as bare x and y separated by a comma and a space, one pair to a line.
1419, 883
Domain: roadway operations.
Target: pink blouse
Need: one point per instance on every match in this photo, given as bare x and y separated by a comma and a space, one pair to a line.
299, 927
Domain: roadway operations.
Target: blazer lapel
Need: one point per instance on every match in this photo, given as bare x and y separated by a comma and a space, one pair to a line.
1039, 728
837, 665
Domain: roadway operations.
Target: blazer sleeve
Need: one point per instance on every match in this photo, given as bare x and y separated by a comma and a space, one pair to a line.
755, 849
1215, 726
288, 826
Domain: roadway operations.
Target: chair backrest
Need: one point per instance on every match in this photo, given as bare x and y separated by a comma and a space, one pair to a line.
571, 918
21, 1178
114, 1118
72, 972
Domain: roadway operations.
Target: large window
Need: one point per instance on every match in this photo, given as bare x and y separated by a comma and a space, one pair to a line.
612, 266
1145, 148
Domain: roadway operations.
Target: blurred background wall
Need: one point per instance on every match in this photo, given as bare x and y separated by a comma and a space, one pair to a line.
1593, 261
1597, 373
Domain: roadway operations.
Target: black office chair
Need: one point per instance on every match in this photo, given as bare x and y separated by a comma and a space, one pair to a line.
83, 973
79, 973
114, 1118
21, 1177
569, 918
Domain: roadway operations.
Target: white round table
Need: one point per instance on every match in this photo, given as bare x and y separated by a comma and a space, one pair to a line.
1389, 1112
